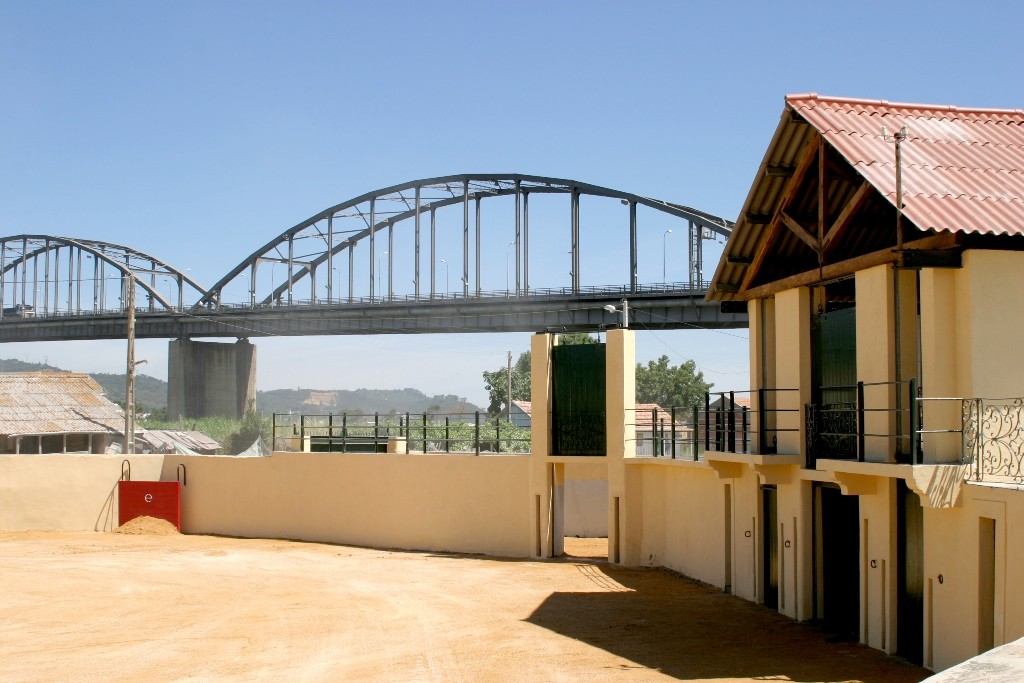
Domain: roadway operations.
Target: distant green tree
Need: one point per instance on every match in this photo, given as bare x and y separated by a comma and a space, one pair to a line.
254, 427
682, 386
496, 381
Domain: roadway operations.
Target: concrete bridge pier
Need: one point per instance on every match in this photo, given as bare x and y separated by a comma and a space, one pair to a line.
207, 379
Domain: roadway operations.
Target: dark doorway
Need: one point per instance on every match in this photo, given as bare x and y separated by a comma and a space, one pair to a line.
770, 550
834, 372
909, 574
837, 558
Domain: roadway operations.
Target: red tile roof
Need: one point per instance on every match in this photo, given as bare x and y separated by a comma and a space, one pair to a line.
963, 169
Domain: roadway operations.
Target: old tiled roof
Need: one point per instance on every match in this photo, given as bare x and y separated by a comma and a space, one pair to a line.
963, 169
646, 411
525, 406
55, 403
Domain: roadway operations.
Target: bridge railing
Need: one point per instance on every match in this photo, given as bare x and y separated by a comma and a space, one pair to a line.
596, 291
468, 433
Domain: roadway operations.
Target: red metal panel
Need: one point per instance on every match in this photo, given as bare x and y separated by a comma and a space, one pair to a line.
160, 499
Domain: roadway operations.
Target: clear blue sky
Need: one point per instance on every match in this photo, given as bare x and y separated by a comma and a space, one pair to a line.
197, 131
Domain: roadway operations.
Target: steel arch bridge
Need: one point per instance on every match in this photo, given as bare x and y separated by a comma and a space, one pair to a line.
340, 265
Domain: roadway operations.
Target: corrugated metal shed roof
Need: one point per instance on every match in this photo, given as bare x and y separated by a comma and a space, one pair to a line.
55, 403
963, 172
167, 441
963, 169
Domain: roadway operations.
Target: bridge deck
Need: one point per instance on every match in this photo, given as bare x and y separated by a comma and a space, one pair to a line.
504, 312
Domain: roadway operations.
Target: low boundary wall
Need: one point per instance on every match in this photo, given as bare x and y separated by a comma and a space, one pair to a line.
448, 503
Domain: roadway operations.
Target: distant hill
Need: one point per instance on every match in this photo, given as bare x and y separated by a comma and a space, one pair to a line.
365, 400
152, 393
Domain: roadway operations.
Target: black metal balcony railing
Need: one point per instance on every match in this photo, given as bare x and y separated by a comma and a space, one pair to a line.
452, 433
838, 429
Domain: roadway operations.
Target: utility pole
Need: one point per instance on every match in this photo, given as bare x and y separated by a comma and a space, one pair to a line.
509, 407
129, 389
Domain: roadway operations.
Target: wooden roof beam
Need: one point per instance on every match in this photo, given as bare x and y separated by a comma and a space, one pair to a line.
847, 213
943, 240
800, 231
775, 227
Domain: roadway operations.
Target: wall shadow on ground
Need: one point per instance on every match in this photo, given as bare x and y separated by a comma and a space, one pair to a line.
689, 631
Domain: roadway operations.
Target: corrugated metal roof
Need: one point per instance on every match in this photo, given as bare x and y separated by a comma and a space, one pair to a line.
167, 440
55, 403
962, 168
963, 172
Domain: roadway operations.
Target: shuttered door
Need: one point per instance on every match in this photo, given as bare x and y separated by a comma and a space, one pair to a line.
578, 400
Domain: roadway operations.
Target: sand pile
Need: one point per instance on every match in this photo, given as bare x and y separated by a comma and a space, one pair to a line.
148, 526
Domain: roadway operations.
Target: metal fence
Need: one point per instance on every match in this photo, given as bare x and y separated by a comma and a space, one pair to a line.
664, 433
477, 433
725, 423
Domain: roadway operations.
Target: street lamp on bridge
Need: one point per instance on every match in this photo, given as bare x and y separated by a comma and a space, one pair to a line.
445, 276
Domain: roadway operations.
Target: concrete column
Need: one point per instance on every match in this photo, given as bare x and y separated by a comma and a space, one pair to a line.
206, 379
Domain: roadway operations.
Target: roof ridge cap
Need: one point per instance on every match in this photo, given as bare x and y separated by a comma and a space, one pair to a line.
903, 105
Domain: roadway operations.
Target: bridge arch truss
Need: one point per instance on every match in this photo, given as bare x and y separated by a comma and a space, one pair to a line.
62, 276
347, 253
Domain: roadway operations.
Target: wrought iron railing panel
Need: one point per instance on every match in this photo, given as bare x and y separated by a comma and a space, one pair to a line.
993, 433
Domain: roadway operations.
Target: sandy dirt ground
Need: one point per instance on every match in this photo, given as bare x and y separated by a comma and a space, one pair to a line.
132, 607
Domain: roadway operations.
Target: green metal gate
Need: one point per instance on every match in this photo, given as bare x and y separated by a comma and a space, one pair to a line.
578, 400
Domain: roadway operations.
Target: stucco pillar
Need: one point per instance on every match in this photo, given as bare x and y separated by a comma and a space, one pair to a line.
624, 495
793, 367
876, 358
940, 349
542, 475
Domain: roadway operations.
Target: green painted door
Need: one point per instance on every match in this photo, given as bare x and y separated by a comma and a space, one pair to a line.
578, 400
